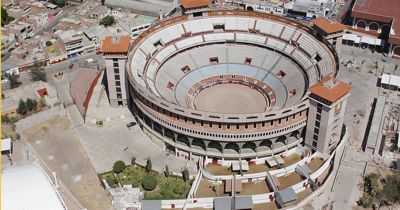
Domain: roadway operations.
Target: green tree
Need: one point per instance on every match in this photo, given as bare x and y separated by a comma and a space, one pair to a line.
38, 73
5, 17
391, 189
119, 166
31, 104
148, 165
107, 20
185, 175
49, 43
167, 172
14, 79
133, 160
22, 107
366, 201
149, 183
59, 3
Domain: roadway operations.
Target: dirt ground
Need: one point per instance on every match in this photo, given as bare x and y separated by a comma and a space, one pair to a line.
56, 144
230, 99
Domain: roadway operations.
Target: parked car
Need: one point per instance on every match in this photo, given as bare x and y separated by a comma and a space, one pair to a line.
131, 124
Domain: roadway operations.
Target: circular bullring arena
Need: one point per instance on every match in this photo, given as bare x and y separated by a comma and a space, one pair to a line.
230, 84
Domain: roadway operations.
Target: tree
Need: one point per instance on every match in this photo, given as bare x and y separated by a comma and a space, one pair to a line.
119, 166
38, 73
167, 172
149, 183
148, 165
133, 160
14, 79
107, 20
49, 43
22, 107
5, 17
31, 104
60, 3
185, 175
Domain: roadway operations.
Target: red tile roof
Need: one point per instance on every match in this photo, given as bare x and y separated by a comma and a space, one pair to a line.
190, 4
387, 11
115, 44
331, 93
328, 26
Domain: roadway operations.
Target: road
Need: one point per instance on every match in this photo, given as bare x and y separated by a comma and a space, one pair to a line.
63, 66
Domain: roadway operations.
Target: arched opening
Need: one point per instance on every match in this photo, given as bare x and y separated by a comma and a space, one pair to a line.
295, 134
250, 8
169, 134
199, 144
214, 146
265, 145
281, 139
231, 148
183, 140
373, 26
157, 128
396, 51
361, 24
249, 147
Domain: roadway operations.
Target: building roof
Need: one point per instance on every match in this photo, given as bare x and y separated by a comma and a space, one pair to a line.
287, 195
330, 89
223, 203
115, 44
28, 187
328, 26
151, 205
386, 11
190, 4
243, 202
6, 144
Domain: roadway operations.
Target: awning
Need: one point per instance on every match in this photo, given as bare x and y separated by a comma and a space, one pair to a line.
367, 40
388, 79
6, 144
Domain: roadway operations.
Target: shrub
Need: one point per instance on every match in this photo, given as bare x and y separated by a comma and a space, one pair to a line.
149, 183
48, 43
185, 175
22, 107
17, 136
148, 165
112, 182
119, 166
99, 122
133, 160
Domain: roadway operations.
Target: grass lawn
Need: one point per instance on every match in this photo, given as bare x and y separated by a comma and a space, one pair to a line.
167, 187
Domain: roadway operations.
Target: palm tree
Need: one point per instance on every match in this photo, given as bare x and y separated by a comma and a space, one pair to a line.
14, 79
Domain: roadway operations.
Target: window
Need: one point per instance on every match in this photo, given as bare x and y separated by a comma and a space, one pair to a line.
117, 83
116, 71
118, 89
314, 144
318, 58
119, 95
219, 27
115, 64
185, 69
214, 60
247, 61
120, 103
315, 137
317, 123
197, 14
158, 44
117, 77
318, 117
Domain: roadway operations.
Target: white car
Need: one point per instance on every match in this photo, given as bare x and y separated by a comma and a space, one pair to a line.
343, 3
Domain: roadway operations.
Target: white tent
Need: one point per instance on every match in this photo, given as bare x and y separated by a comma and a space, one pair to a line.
388, 79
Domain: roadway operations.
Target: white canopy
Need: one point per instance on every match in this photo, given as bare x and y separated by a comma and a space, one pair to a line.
28, 187
6, 144
388, 79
